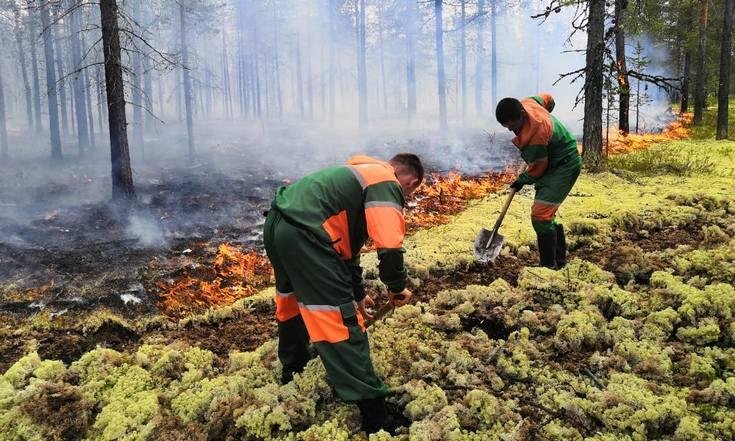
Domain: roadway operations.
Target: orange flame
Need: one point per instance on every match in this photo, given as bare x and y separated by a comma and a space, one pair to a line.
236, 275
678, 129
439, 197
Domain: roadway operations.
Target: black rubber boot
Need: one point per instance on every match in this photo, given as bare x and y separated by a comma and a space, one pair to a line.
547, 249
375, 416
561, 247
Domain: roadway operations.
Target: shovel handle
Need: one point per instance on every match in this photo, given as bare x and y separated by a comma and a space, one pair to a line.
501, 216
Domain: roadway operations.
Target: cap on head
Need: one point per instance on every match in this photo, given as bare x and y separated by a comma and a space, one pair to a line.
507, 110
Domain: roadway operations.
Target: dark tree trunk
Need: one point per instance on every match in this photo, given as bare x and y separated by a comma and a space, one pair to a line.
442, 82
361, 63
59, 60
700, 96
136, 90
100, 99
592, 135
3, 128
33, 37
411, 36
493, 54
686, 75
53, 107
480, 56
723, 93
309, 75
187, 81
122, 175
78, 84
23, 68
463, 60
622, 69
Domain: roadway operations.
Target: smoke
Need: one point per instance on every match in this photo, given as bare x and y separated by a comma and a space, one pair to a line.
145, 230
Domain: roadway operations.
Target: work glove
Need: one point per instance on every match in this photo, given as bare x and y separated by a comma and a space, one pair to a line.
400, 298
517, 185
362, 305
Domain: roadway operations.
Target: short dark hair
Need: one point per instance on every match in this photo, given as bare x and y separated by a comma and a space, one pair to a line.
508, 109
411, 162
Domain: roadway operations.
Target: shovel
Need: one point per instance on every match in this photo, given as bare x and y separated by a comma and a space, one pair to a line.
489, 243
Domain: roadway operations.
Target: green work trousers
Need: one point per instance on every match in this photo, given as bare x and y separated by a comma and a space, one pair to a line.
551, 190
314, 302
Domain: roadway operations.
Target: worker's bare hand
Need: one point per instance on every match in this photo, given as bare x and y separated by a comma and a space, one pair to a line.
400, 298
362, 306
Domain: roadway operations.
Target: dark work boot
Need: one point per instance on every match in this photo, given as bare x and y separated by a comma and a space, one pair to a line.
547, 249
561, 247
375, 416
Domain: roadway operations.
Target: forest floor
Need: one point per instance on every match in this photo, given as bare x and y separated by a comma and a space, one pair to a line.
632, 340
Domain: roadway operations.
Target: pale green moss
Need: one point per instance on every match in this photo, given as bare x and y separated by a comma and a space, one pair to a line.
580, 329
18, 374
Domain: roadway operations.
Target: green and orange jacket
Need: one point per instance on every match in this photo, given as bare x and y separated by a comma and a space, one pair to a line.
544, 142
343, 206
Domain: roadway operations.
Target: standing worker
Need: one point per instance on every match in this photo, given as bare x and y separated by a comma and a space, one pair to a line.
554, 164
313, 236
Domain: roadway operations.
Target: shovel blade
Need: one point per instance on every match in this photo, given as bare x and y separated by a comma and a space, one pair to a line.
485, 252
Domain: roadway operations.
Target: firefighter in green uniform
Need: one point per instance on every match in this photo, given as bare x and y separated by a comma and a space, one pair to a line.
554, 164
313, 235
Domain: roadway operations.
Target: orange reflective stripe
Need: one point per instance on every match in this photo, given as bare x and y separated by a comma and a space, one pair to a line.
538, 167
369, 174
543, 211
287, 306
338, 230
385, 224
324, 323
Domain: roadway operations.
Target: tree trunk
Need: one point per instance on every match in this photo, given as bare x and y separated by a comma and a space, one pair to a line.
23, 68
279, 98
685, 79
187, 81
411, 35
493, 54
622, 69
122, 175
382, 63
700, 96
90, 117
723, 93
361, 63
148, 99
463, 60
101, 101
592, 135
33, 37
136, 89
3, 128
226, 91
59, 60
441, 83
309, 75
53, 107
332, 58
78, 85
479, 56
299, 79
87, 84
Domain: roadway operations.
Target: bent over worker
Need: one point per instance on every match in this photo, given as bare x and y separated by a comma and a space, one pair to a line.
313, 236
554, 164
